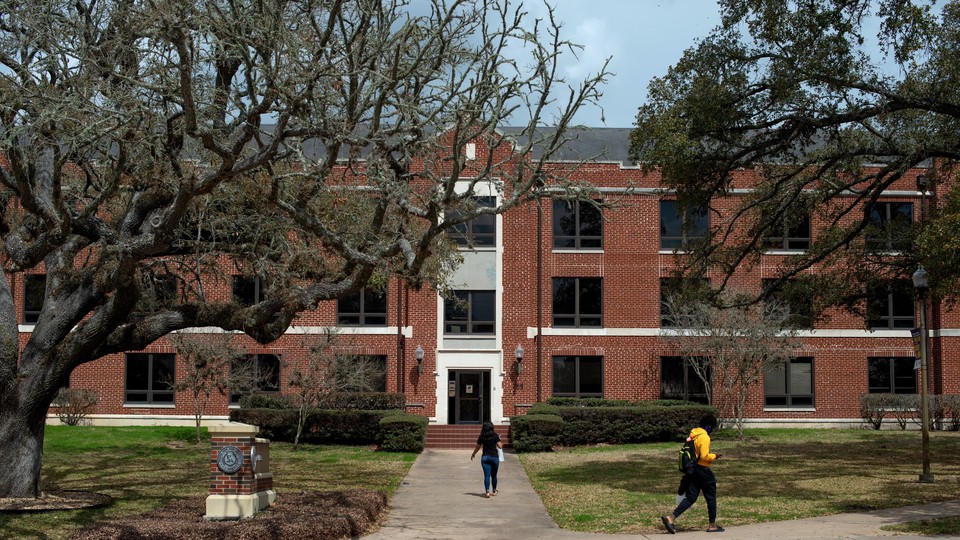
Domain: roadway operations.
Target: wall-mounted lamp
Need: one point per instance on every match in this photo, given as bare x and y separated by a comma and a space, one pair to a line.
519, 353
418, 354
923, 184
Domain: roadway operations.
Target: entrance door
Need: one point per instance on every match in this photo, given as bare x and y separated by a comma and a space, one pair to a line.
469, 403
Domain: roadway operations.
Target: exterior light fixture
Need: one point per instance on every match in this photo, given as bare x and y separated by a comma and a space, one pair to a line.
923, 184
418, 354
519, 354
920, 283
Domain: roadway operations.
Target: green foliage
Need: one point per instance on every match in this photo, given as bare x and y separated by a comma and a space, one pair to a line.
602, 402
265, 401
623, 424
402, 433
535, 432
322, 427
368, 401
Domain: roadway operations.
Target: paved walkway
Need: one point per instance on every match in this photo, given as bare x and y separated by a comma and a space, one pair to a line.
442, 497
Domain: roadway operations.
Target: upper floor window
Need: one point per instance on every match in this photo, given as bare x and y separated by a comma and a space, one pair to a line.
890, 226
679, 378
366, 307
159, 293
891, 375
34, 290
798, 303
678, 293
470, 312
790, 384
149, 378
682, 231
890, 305
791, 234
481, 231
248, 291
361, 373
578, 302
254, 374
578, 376
577, 225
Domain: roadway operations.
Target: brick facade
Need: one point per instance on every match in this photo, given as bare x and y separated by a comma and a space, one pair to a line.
629, 342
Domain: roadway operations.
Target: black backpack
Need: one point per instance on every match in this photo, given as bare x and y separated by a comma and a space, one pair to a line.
688, 457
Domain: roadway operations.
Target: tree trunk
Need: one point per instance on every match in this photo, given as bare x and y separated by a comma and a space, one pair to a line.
21, 445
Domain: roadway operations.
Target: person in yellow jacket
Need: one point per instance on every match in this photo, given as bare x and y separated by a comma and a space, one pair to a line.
702, 479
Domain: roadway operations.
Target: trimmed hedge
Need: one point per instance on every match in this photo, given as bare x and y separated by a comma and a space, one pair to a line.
648, 422
365, 401
323, 427
402, 433
601, 402
535, 432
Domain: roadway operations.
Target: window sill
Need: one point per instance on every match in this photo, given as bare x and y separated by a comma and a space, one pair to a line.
590, 251
149, 406
785, 252
790, 409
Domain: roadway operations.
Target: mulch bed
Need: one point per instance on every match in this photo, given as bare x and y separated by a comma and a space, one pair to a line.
56, 500
295, 516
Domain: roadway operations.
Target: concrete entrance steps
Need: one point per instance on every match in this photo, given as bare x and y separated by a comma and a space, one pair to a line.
460, 436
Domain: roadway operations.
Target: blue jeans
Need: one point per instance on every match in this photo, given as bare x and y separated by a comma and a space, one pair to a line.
490, 464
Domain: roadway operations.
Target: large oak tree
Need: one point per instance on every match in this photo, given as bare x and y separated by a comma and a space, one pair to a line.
312, 143
807, 95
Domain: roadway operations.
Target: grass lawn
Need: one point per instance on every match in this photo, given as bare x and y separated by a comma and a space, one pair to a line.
774, 474
143, 468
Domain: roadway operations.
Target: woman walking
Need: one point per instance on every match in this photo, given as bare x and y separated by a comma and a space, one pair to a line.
490, 443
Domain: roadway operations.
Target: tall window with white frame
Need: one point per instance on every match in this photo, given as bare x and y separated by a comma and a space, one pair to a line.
481, 231
34, 289
248, 291
149, 378
578, 376
577, 225
470, 313
789, 384
254, 374
679, 379
578, 302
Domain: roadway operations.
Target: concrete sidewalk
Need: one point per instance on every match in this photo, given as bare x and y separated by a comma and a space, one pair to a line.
442, 497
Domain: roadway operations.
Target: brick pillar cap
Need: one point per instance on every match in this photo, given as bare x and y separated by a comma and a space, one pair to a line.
232, 429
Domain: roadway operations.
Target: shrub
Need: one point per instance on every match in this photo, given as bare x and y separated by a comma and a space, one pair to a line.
274, 424
535, 432
402, 433
265, 401
874, 408
324, 426
367, 401
73, 405
951, 405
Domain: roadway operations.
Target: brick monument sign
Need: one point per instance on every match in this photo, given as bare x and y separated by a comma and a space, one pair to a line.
240, 480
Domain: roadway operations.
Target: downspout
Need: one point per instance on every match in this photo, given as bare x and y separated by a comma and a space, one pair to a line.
401, 349
539, 300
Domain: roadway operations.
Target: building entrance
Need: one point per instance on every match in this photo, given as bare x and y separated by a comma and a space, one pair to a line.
468, 392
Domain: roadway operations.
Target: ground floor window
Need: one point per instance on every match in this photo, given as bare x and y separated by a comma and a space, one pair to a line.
789, 384
891, 375
254, 374
361, 373
578, 376
679, 379
149, 378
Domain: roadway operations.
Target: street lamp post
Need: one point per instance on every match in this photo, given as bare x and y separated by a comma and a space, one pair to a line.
920, 283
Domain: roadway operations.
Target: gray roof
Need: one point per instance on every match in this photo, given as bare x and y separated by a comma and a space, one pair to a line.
592, 144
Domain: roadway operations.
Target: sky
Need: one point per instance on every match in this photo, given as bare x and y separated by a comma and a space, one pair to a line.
643, 37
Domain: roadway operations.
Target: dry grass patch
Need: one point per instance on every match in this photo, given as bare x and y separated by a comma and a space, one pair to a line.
772, 475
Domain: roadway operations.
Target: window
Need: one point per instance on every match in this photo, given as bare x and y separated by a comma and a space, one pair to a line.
679, 379
254, 374
794, 298
790, 384
481, 231
159, 293
470, 312
682, 292
682, 231
578, 376
248, 291
361, 373
890, 226
891, 375
34, 289
791, 235
578, 302
577, 225
149, 378
364, 308
890, 305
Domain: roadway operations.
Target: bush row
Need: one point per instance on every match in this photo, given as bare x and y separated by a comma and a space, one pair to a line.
904, 409
593, 422
338, 401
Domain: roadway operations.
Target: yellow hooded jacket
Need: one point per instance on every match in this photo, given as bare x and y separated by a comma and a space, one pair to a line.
701, 441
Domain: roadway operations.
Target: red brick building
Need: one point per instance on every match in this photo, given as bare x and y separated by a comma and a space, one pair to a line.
578, 297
